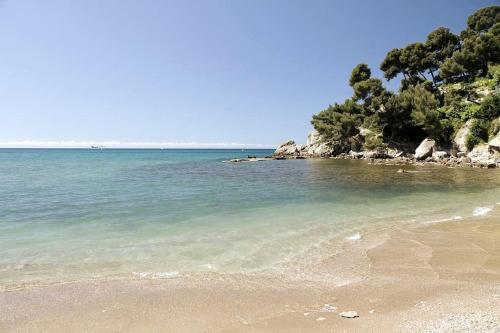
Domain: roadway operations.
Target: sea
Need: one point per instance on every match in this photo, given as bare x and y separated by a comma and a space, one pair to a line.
90, 214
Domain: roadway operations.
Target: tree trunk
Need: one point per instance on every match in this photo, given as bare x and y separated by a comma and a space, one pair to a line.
433, 77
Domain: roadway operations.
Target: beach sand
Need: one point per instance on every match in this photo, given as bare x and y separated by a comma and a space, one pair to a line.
441, 277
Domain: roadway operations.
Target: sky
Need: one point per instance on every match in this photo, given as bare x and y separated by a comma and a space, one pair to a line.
204, 73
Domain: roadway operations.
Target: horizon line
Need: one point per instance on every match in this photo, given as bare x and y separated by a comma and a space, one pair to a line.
131, 145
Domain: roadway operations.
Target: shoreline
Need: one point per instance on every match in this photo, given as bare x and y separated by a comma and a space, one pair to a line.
442, 276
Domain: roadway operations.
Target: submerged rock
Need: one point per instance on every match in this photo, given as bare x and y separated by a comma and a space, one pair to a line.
425, 149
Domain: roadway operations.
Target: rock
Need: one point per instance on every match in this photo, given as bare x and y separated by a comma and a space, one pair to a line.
287, 148
461, 136
349, 314
356, 154
439, 155
315, 147
401, 170
494, 144
425, 149
481, 156
313, 138
394, 153
375, 154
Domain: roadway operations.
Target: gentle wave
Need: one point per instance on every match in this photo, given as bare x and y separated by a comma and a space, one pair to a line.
448, 219
480, 211
155, 275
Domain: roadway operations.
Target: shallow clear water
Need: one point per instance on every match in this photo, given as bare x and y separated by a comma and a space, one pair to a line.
78, 214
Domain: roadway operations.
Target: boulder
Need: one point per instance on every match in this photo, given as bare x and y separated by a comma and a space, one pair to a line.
286, 148
461, 136
482, 156
425, 149
440, 155
394, 153
494, 144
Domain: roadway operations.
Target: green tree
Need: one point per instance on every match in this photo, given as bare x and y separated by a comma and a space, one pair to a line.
392, 65
480, 45
483, 19
423, 106
440, 44
338, 122
360, 73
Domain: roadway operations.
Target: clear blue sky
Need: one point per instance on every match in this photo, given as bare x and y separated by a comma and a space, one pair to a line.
246, 71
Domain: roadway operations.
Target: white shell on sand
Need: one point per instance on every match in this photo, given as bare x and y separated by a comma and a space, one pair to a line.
349, 314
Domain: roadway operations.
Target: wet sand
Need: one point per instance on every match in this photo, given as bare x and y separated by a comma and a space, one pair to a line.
442, 277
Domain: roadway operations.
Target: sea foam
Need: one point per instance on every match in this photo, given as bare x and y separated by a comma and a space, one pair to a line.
479, 211
355, 237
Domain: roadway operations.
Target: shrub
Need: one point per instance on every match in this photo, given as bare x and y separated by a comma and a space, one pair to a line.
374, 140
494, 128
478, 133
469, 112
489, 108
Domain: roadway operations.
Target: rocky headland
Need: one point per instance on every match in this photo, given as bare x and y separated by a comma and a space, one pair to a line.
484, 155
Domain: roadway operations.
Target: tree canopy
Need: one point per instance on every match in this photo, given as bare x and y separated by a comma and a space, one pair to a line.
438, 89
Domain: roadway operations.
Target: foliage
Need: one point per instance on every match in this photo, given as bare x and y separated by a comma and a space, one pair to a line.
337, 122
373, 141
494, 128
360, 73
424, 109
489, 108
478, 133
444, 80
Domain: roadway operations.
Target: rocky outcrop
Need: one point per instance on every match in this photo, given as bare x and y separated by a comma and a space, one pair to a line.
288, 148
315, 147
482, 156
460, 139
425, 149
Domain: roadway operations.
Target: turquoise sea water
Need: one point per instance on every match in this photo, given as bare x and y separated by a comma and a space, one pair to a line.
87, 214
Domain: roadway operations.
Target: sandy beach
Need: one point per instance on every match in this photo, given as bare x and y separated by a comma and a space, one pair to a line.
442, 277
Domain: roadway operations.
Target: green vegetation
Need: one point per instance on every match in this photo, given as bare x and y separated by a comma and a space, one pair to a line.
445, 81
478, 133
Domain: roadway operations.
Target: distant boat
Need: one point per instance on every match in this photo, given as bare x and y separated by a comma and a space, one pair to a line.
97, 147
